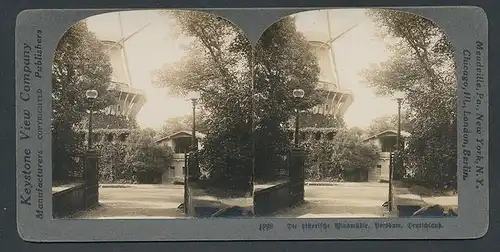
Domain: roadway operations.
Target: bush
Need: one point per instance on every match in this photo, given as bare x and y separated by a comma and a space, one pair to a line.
146, 159
137, 159
344, 158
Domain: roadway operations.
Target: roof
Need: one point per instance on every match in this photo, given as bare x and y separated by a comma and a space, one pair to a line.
395, 132
181, 133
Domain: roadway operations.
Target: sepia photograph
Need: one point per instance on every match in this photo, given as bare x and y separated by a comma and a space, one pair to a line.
334, 113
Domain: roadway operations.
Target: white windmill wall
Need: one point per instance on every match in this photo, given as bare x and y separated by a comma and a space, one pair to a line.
327, 78
107, 28
115, 53
314, 26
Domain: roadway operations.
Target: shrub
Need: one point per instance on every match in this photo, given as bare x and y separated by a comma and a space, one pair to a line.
345, 157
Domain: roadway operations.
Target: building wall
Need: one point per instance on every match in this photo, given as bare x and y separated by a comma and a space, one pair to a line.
175, 173
381, 171
130, 100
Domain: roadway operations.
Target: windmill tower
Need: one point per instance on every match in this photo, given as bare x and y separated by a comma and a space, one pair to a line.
315, 26
108, 29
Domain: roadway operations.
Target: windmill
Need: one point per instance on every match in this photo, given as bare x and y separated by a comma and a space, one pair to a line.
130, 100
337, 99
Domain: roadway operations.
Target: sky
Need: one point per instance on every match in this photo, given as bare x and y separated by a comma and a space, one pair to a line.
159, 44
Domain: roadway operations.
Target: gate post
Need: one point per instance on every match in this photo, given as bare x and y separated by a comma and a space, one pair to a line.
296, 174
91, 179
194, 167
390, 200
191, 176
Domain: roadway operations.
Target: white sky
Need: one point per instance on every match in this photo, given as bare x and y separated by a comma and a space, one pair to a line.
158, 45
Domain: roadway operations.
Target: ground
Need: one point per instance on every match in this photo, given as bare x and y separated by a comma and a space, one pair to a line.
341, 200
162, 201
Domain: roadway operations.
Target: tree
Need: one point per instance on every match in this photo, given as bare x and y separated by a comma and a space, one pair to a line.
218, 65
421, 66
283, 62
80, 63
384, 123
243, 117
179, 123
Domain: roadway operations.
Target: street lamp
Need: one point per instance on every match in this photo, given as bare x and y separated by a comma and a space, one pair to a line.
297, 94
399, 98
91, 95
194, 96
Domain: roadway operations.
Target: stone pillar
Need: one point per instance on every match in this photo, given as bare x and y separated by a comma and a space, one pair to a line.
296, 175
91, 179
192, 171
193, 166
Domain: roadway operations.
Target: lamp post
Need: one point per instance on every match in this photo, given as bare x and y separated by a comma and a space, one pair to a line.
91, 96
398, 139
297, 94
194, 97
399, 98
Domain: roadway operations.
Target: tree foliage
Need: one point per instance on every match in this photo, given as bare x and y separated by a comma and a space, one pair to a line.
219, 64
384, 123
422, 67
79, 64
180, 123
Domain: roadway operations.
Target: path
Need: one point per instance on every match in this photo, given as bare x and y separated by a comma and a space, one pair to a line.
341, 200
138, 201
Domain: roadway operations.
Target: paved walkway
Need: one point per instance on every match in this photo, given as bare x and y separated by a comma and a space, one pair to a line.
162, 201
341, 200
